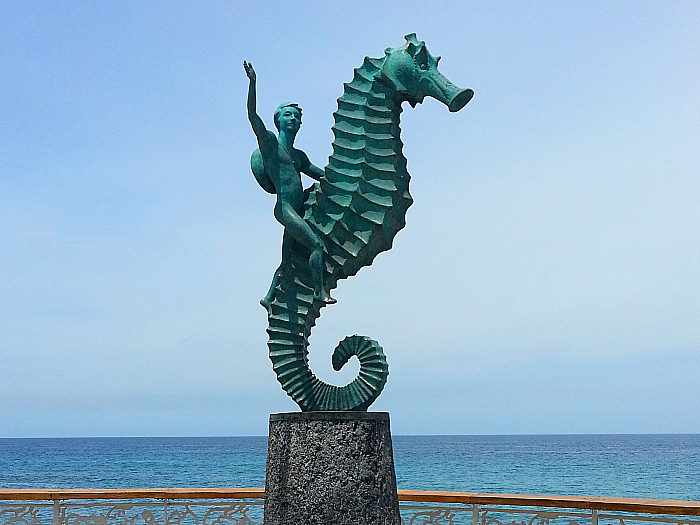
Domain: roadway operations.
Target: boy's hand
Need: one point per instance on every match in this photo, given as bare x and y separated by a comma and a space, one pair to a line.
249, 70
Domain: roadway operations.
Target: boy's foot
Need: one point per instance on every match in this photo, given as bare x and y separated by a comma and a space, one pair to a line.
325, 298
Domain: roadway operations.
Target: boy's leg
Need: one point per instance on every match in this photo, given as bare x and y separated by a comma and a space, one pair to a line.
286, 254
302, 232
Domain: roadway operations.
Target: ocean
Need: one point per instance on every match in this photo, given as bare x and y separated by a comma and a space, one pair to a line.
647, 466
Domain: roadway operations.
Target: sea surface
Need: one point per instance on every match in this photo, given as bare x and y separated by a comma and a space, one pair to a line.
648, 466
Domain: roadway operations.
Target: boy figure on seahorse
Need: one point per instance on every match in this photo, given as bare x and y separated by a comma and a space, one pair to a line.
277, 165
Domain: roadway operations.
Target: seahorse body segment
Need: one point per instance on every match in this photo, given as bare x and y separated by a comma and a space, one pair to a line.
356, 209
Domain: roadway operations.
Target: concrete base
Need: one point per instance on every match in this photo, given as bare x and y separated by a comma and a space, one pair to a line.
330, 468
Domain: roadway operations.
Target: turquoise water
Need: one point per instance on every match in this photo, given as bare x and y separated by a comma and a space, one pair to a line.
652, 466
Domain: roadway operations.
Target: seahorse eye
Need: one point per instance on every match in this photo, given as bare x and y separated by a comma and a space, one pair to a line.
424, 66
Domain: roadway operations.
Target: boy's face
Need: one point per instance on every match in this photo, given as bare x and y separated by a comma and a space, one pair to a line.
290, 119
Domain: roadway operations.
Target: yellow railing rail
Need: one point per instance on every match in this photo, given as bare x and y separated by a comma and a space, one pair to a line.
646, 506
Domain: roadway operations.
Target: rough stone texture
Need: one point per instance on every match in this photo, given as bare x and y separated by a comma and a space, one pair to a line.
330, 468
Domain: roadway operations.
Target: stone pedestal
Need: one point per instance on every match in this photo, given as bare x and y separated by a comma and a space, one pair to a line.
330, 468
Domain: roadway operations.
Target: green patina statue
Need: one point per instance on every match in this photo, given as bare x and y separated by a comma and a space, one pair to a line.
344, 220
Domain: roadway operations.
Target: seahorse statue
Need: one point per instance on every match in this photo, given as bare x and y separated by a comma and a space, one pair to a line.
356, 208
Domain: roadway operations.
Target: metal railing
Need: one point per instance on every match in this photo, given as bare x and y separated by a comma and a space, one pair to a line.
230, 506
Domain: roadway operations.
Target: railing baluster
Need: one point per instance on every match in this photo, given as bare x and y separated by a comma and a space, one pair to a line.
56, 520
594, 517
165, 511
475, 514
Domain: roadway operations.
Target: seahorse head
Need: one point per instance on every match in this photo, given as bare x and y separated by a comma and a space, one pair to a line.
412, 71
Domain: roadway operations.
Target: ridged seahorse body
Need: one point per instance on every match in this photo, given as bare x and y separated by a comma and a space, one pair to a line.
356, 209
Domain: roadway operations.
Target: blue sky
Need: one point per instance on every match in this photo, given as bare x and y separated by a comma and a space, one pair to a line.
546, 282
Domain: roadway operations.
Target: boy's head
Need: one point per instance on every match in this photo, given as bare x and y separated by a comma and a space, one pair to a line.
281, 108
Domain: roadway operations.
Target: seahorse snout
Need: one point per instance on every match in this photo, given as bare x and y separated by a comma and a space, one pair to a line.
460, 100
436, 85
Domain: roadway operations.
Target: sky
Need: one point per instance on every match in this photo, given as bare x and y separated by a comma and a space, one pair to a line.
546, 281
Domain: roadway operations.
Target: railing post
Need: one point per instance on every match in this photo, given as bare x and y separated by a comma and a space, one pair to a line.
475, 514
56, 520
594, 517
165, 511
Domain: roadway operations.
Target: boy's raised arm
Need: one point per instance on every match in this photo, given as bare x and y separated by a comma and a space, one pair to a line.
258, 126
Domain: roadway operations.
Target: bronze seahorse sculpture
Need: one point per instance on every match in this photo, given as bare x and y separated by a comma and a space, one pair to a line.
356, 209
